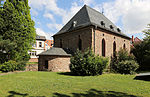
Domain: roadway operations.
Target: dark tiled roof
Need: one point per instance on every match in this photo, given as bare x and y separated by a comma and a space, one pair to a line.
87, 16
56, 52
40, 37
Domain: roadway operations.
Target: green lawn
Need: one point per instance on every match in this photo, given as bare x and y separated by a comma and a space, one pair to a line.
51, 84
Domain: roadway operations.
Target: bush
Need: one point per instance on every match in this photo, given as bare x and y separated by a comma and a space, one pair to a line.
123, 63
12, 66
8, 66
127, 67
87, 63
21, 66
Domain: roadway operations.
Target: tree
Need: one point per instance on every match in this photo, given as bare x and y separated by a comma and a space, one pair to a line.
17, 26
6, 50
142, 51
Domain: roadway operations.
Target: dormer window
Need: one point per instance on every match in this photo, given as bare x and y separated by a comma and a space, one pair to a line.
74, 23
102, 23
111, 27
118, 30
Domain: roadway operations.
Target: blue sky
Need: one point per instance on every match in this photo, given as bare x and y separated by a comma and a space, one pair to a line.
132, 16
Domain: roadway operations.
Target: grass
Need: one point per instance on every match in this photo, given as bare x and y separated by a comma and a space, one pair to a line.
51, 84
28, 63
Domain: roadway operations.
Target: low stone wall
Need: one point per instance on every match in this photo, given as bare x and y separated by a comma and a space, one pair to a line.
55, 63
32, 67
33, 60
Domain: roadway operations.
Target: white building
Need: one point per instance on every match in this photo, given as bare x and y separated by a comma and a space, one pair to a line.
38, 47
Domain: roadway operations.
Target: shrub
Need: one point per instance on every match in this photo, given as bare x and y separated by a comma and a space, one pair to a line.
123, 63
21, 66
8, 66
87, 63
127, 67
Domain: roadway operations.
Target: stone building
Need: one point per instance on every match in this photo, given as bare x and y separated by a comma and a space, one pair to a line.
55, 59
91, 29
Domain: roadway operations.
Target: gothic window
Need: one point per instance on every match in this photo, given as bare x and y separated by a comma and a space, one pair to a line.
103, 47
114, 48
124, 46
80, 43
60, 43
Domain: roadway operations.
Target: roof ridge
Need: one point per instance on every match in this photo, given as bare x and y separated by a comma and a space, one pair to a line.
87, 12
101, 14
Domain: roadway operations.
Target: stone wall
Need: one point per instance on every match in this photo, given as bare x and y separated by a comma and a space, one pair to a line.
33, 60
109, 40
55, 63
70, 39
32, 67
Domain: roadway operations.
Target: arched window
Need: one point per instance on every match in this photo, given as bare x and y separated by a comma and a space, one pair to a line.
124, 46
80, 43
60, 43
103, 47
114, 48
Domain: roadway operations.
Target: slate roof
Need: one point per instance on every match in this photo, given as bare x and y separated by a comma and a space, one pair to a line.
87, 16
54, 51
40, 37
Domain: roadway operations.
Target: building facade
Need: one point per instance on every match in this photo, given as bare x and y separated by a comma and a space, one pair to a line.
89, 29
38, 48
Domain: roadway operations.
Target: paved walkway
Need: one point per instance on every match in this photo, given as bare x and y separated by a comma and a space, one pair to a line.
143, 74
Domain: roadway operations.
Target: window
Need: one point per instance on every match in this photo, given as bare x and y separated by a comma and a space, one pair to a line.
46, 64
32, 53
118, 30
114, 48
80, 43
103, 47
40, 44
111, 27
60, 43
102, 23
124, 46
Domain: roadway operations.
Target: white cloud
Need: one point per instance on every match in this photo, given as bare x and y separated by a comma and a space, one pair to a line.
34, 12
47, 5
87, 2
49, 16
54, 26
70, 13
134, 14
42, 33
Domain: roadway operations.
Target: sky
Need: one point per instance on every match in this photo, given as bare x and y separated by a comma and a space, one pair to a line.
131, 16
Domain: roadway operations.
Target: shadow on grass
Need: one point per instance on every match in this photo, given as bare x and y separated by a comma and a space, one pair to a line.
96, 93
13, 93
144, 78
67, 73
16, 94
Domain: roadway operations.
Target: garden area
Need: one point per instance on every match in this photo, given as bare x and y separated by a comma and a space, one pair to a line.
52, 84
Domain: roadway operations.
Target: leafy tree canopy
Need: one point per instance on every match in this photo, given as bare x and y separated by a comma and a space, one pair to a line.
17, 26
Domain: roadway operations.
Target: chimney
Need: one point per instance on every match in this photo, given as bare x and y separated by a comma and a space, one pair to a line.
132, 38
